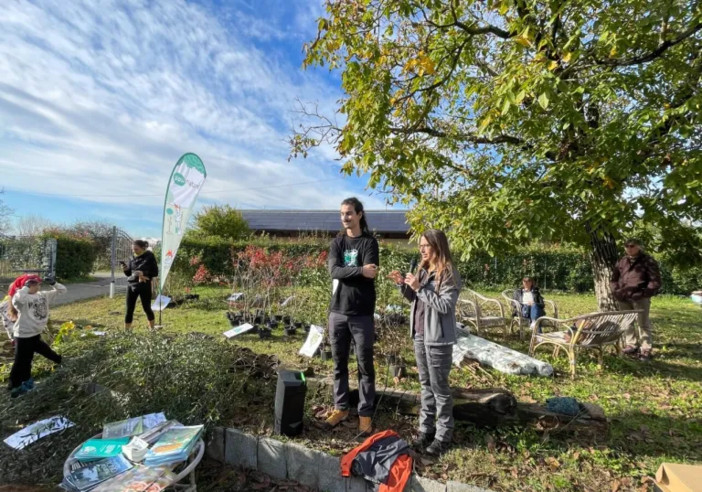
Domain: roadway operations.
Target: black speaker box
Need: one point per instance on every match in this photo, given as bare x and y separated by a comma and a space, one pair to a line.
290, 402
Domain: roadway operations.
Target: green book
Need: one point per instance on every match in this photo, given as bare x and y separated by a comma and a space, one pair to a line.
94, 449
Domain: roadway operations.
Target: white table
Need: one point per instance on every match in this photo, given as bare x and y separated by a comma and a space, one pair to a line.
187, 472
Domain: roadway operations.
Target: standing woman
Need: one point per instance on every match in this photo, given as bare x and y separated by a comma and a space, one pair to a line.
141, 269
30, 309
433, 293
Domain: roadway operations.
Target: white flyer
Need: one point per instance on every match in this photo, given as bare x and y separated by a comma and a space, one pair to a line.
160, 303
314, 340
238, 330
34, 432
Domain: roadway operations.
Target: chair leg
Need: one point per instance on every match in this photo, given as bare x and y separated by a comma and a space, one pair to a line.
571, 360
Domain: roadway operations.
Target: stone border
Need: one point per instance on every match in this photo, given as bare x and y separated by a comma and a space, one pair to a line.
314, 469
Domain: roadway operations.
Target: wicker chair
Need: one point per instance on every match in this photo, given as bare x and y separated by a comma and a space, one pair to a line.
481, 312
519, 321
588, 331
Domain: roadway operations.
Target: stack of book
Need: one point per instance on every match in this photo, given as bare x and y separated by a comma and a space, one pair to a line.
139, 479
174, 445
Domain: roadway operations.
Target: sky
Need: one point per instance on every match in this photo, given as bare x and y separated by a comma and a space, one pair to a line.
99, 99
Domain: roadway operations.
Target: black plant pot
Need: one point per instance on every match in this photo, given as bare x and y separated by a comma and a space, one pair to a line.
264, 333
278, 318
272, 324
298, 324
290, 330
307, 327
286, 319
398, 371
325, 353
258, 320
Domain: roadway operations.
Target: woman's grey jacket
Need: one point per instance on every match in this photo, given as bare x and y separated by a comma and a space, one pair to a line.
440, 307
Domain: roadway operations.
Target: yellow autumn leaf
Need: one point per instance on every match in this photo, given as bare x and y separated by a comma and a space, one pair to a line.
609, 182
553, 65
613, 52
567, 57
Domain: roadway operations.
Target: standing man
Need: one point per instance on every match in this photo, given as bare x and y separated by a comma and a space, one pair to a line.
353, 265
635, 280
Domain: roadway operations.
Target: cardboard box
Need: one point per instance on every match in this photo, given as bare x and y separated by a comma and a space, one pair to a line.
673, 477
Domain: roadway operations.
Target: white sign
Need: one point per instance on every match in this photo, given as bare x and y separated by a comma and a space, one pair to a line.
160, 303
235, 296
287, 301
314, 340
238, 330
28, 435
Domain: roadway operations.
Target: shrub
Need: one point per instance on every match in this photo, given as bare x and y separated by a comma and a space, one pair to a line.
75, 254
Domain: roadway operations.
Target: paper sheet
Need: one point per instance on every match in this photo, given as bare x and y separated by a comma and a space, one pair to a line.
37, 430
238, 330
314, 340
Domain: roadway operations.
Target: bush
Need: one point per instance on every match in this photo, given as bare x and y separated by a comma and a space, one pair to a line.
75, 255
221, 221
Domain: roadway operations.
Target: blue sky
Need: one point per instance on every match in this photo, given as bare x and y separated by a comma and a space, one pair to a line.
98, 99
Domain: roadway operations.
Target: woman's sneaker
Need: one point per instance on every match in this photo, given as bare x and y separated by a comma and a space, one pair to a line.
18, 391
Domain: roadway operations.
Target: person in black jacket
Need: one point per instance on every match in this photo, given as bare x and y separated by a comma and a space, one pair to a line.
140, 270
353, 265
530, 300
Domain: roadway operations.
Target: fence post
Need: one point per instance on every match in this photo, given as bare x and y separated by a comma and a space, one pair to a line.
112, 261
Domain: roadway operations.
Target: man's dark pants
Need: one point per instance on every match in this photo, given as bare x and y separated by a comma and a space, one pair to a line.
342, 329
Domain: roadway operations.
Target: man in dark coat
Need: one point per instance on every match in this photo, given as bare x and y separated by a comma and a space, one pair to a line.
635, 280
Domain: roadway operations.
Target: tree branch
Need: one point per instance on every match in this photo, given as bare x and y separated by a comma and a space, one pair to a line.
662, 48
468, 137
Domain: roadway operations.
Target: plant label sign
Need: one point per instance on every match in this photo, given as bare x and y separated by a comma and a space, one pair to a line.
238, 330
314, 340
287, 301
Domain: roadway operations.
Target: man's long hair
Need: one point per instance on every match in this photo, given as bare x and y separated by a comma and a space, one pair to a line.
358, 208
443, 263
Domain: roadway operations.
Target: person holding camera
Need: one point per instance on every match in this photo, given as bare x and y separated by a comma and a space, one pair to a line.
30, 309
142, 268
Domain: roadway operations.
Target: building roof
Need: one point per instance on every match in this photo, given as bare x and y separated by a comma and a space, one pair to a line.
380, 221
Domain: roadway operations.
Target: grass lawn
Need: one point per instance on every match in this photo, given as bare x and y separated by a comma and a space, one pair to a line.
655, 409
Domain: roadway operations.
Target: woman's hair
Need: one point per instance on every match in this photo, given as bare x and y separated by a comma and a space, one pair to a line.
358, 207
141, 243
443, 263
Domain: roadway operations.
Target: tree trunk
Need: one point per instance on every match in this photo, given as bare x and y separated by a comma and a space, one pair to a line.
603, 258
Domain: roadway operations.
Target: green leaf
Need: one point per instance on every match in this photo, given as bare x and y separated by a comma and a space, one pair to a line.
543, 101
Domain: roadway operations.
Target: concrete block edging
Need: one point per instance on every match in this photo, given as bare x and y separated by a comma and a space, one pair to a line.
314, 469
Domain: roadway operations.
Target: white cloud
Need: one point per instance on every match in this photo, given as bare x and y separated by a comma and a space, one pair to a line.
98, 99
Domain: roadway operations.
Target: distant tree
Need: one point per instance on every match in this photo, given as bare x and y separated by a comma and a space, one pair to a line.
5, 214
32, 225
220, 220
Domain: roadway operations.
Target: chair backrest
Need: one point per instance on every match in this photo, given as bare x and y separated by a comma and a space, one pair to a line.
467, 308
603, 328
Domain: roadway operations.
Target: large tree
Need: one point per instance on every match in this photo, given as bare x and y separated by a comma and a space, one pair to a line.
508, 121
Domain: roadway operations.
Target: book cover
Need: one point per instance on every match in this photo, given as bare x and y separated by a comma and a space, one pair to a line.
100, 448
176, 440
97, 472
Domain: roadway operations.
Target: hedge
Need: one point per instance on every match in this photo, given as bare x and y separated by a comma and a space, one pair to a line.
75, 256
553, 269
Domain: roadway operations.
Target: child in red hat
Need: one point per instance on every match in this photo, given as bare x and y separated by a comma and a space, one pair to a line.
30, 309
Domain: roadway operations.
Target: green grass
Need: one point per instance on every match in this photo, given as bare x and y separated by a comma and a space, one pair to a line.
655, 409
